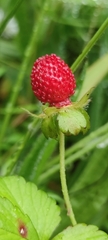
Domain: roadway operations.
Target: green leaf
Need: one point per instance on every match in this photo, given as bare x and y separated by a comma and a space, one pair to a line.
72, 121
14, 221
82, 232
4, 235
41, 209
95, 74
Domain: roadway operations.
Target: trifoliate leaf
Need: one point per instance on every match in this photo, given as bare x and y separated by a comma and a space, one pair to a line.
73, 121
82, 232
14, 221
4, 235
41, 209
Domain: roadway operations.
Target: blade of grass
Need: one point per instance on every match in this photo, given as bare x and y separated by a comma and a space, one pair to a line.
84, 141
28, 55
43, 157
90, 44
74, 157
94, 75
10, 15
7, 168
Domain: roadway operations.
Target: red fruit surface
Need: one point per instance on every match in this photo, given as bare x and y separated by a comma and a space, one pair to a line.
52, 81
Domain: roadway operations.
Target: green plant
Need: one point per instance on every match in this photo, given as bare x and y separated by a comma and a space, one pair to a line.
35, 166
26, 212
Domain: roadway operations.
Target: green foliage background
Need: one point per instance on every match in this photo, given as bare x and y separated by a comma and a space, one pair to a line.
61, 27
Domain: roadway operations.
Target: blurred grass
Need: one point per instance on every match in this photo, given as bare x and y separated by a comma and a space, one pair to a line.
64, 28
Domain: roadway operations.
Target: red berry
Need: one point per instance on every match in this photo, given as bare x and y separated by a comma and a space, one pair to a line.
52, 81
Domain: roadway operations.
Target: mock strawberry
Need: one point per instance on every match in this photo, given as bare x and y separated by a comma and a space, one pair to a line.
52, 81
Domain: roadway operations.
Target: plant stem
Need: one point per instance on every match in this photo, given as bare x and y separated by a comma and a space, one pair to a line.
90, 44
63, 179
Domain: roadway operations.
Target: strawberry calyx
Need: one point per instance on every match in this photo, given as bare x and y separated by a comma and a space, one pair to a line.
69, 119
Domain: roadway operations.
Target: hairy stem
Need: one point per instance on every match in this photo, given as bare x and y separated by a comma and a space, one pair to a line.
63, 179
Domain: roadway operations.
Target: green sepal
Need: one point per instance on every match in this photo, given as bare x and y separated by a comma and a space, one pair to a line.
49, 127
73, 121
85, 114
85, 100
